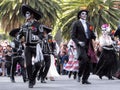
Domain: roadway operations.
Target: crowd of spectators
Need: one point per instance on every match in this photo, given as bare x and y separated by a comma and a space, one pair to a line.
4, 69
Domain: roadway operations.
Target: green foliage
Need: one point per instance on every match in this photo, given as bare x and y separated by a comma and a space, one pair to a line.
100, 12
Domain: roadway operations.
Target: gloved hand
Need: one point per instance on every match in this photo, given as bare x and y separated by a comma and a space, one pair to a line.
82, 44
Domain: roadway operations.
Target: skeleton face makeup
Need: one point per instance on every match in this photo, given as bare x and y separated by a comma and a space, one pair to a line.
28, 15
83, 15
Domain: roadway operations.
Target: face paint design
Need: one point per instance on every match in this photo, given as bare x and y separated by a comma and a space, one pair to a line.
83, 15
105, 28
27, 15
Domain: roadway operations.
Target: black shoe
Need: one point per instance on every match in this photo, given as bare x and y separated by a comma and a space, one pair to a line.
25, 80
38, 78
69, 75
100, 77
12, 80
78, 79
34, 82
43, 80
74, 77
30, 85
111, 78
85, 82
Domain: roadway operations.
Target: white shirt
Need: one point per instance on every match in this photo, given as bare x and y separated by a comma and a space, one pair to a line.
85, 27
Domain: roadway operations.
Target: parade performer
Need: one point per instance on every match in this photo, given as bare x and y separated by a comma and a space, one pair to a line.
82, 34
107, 63
32, 31
17, 58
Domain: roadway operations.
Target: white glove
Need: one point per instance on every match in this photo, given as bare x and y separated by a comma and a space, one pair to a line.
82, 44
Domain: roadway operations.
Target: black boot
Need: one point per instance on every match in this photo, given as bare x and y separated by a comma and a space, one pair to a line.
78, 79
70, 73
100, 76
12, 79
75, 74
43, 80
85, 82
30, 85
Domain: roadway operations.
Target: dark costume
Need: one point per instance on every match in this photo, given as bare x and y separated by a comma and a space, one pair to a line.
117, 33
32, 31
8, 58
78, 34
47, 48
107, 65
17, 58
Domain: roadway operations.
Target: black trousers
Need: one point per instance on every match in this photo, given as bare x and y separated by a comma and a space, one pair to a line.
84, 64
29, 53
45, 67
19, 60
8, 65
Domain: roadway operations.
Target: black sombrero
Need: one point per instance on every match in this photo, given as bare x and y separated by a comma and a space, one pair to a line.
14, 32
37, 14
47, 29
78, 15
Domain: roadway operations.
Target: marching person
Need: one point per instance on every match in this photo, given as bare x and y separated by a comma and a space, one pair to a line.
72, 65
32, 31
8, 57
47, 49
82, 34
17, 58
107, 64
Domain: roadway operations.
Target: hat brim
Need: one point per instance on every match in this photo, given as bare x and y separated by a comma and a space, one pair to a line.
78, 16
14, 32
37, 14
47, 29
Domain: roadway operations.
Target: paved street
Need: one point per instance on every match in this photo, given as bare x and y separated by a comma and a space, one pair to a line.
61, 83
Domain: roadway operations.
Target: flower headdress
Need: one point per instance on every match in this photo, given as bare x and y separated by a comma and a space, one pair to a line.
105, 27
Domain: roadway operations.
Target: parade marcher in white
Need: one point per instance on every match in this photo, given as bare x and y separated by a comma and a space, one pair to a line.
107, 64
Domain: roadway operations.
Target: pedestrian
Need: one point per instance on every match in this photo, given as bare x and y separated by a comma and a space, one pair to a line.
47, 49
107, 63
8, 58
82, 34
17, 58
73, 64
32, 31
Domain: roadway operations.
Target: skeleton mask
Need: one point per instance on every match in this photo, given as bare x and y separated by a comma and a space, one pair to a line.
83, 15
105, 28
28, 15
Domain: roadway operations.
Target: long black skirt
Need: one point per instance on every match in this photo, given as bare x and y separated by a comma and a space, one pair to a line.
107, 64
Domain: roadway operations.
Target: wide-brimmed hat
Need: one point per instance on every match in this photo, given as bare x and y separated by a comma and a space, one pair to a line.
47, 29
14, 32
78, 15
37, 14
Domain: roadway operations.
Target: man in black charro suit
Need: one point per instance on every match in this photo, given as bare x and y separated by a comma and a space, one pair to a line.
17, 57
48, 48
32, 31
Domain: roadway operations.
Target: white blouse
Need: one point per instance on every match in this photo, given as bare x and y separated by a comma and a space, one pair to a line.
105, 40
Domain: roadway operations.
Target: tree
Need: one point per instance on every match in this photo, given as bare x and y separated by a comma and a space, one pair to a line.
70, 10
100, 12
11, 16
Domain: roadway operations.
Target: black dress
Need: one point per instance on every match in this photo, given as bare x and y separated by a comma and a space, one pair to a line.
107, 64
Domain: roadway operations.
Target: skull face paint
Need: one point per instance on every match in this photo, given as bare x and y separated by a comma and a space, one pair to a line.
83, 15
28, 15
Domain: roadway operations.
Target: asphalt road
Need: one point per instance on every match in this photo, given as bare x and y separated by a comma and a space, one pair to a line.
61, 83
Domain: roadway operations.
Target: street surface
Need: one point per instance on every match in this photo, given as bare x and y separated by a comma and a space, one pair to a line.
61, 83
